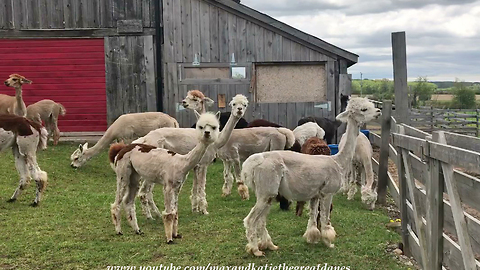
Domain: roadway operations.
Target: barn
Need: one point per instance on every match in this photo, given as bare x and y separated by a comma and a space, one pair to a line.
105, 58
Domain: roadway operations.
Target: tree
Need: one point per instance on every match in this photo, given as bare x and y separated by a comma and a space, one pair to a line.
464, 97
422, 90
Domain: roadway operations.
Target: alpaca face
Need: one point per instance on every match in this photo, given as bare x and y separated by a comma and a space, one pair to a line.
195, 100
361, 110
239, 105
78, 157
16, 80
208, 126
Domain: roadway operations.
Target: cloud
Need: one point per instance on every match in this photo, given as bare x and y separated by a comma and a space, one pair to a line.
442, 35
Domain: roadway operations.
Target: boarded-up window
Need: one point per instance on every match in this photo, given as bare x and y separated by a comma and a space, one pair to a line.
291, 83
206, 72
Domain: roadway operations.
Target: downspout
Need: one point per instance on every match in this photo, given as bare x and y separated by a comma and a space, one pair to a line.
158, 5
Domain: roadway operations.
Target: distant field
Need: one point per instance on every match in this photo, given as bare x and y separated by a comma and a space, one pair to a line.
447, 97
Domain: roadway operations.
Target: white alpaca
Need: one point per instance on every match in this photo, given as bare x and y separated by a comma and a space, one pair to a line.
306, 131
361, 166
47, 110
301, 177
182, 141
14, 105
24, 137
158, 165
127, 127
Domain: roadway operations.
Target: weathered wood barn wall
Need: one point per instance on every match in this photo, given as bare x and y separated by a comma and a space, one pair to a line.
127, 27
213, 30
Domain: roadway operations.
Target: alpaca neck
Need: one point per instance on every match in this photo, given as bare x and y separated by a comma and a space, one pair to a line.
105, 141
227, 131
20, 108
195, 155
345, 155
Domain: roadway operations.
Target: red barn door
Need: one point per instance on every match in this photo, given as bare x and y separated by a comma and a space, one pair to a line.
68, 71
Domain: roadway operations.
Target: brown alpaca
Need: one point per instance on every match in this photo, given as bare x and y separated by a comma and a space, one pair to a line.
313, 146
24, 137
47, 110
262, 123
14, 105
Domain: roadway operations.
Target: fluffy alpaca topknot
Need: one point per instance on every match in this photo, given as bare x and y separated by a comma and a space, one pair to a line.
196, 93
239, 98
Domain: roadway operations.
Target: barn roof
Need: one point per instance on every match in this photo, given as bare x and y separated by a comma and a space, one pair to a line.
287, 30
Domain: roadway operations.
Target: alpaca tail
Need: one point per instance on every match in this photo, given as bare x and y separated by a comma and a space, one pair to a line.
289, 136
42, 142
113, 152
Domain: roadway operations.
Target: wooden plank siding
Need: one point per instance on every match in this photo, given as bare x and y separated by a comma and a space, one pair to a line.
214, 33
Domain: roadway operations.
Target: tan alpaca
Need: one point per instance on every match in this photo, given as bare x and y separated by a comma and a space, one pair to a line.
126, 128
183, 140
47, 110
158, 165
24, 137
302, 177
14, 105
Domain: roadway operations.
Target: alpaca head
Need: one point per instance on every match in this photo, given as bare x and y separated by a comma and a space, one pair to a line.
361, 110
208, 126
197, 101
16, 80
239, 105
78, 157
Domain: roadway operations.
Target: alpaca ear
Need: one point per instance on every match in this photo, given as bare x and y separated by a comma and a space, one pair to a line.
85, 147
25, 80
218, 115
197, 114
342, 116
208, 101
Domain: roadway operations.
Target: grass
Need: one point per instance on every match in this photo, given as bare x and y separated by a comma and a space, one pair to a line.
72, 229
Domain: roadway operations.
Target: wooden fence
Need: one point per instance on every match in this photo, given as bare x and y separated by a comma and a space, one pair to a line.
453, 120
436, 230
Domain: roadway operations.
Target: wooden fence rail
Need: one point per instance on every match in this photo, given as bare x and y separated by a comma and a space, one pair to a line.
454, 120
437, 181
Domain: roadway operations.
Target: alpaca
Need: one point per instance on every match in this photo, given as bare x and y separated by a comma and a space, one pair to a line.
14, 105
301, 177
126, 127
329, 126
47, 110
182, 141
361, 166
262, 123
158, 165
24, 137
313, 146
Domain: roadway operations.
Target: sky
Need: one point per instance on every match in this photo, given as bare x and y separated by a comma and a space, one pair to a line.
443, 36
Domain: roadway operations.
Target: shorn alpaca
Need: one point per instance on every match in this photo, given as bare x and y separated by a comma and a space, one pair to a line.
182, 141
14, 105
301, 177
47, 110
158, 165
24, 137
361, 166
127, 127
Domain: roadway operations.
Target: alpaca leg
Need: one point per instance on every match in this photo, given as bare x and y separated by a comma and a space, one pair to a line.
251, 223
262, 233
312, 234
170, 200
129, 201
194, 194
21, 165
38, 175
146, 198
55, 130
201, 185
115, 207
327, 230
175, 233
228, 178
369, 193
352, 184
346, 179
299, 208
242, 188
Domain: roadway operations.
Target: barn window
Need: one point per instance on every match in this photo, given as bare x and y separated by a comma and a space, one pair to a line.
214, 73
283, 83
